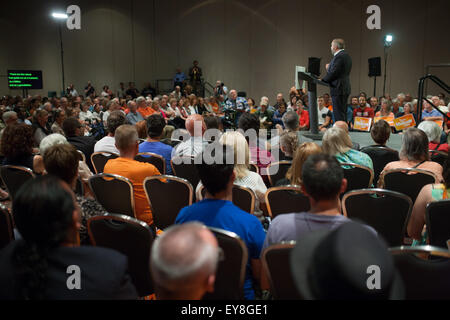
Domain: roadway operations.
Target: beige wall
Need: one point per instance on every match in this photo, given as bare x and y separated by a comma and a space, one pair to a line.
251, 45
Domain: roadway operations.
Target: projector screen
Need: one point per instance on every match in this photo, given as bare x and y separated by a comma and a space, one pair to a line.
24, 79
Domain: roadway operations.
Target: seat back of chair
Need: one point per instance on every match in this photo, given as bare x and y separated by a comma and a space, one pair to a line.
114, 193
14, 177
6, 227
185, 168
254, 168
380, 156
407, 181
358, 176
155, 159
130, 237
438, 222
99, 160
286, 199
386, 211
275, 260
423, 278
230, 273
178, 190
244, 198
277, 171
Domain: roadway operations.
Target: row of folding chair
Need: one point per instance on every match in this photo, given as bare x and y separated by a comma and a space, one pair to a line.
433, 282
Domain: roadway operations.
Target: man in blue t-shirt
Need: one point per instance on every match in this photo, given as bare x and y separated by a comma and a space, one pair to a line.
218, 211
155, 128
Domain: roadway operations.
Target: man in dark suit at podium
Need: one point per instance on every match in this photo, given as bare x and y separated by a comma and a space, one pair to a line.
338, 76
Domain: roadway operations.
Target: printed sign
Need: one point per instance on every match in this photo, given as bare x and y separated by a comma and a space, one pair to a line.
404, 122
362, 124
389, 120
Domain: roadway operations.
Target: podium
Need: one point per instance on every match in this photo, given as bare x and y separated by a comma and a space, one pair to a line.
313, 81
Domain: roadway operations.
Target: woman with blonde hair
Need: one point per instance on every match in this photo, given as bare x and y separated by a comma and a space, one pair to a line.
243, 176
288, 144
294, 174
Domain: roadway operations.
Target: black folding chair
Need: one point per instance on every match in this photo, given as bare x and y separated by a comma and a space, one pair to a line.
286, 199
6, 227
424, 278
130, 237
185, 168
380, 156
358, 176
178, 190
114, 193
386, 211
437, 218
99, 160
230, 273
254, 168
277, 171
275, 261
408, 181
155, 159
14, 177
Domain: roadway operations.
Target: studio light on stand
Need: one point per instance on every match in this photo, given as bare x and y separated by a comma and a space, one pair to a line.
60, 17
388, 39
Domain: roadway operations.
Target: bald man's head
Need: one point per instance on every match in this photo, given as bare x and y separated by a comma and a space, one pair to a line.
195, 125
341, 124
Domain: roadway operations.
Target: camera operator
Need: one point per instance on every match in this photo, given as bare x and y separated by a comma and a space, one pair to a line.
220, 89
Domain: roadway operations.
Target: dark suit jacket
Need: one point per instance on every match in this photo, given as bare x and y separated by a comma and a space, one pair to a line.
338, 75
104, 274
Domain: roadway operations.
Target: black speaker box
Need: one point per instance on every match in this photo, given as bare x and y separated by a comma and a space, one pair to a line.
375, 67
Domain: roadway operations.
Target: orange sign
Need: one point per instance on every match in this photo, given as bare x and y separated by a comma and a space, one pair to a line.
389, 120
362, 124
404, 122
439, 122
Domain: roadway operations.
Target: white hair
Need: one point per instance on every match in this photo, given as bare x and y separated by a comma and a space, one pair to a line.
432, 130
181, 253
335, 141
50, 141
140, 99
8, 115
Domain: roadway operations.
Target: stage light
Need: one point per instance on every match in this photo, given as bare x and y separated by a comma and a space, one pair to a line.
59, 15
388, 40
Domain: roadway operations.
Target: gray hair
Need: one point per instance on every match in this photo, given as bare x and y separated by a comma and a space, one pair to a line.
50, 141
432, 130
290, 120
335, 141
180, 254
140, 99
8, 115
414, 145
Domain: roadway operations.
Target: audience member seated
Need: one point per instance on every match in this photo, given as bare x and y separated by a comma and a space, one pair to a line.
324, 114
323, 182
294, 174
336, 142
278, 115
56, 139
385, 110
108, 143
434, 133
155, 128
62, 161
133, 116
288, 145
184, 261
414, 154
74, 133
363, 110
325, 267
344, 126
127, 142
36, 267
218, 211
429, 113
291, 124
429, 193
196, 127
17, 148
264, 114
380, 133
303, 116
142, 107
40, 126
60, 116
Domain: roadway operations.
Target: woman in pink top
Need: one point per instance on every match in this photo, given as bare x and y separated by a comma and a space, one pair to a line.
414, 154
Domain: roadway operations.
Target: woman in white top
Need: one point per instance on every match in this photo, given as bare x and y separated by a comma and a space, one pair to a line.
244, 177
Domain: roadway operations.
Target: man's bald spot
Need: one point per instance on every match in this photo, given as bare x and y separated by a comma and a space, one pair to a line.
190, 125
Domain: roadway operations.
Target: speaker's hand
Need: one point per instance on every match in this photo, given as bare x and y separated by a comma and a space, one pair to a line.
327, 66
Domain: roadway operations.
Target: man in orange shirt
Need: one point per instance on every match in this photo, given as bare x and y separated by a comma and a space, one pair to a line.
127, 141
143, 109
